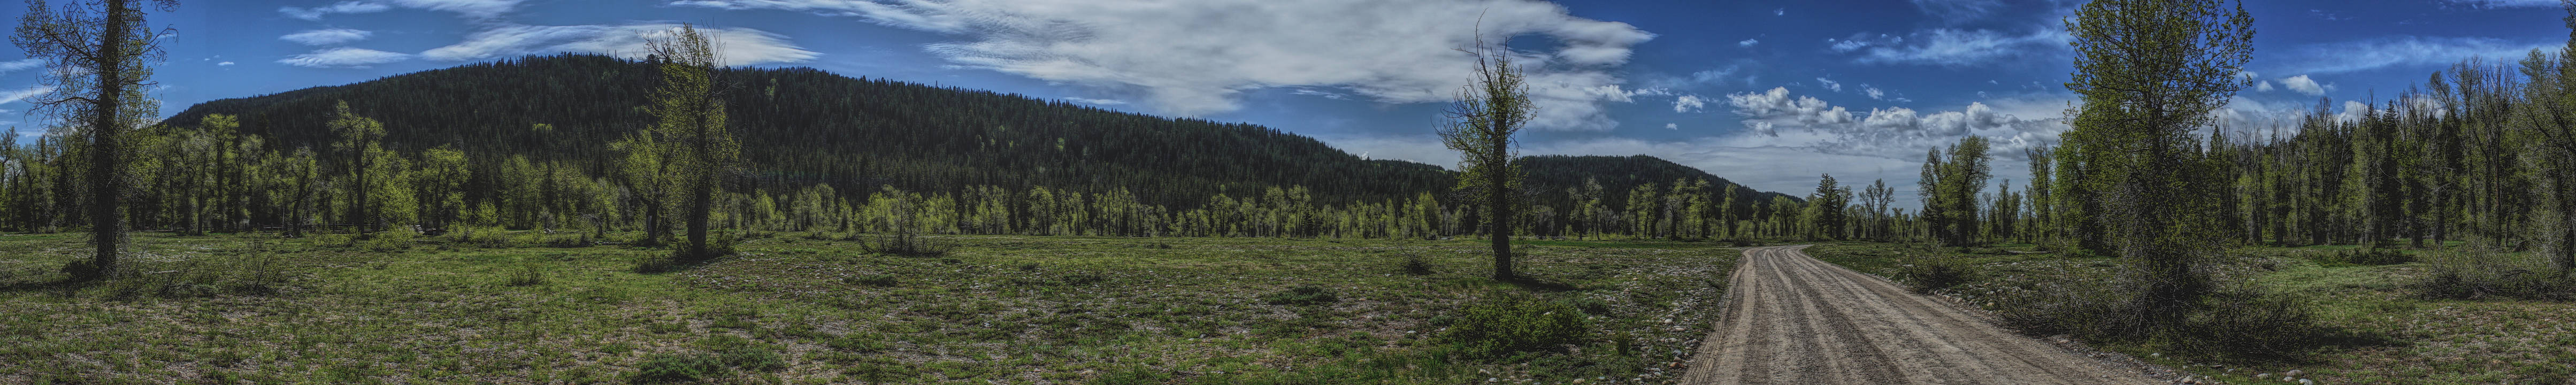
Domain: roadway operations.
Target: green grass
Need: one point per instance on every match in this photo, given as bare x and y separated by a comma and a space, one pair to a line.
2394, 336
1005, 309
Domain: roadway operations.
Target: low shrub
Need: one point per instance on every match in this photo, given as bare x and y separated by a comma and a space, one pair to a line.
745, 354
667, 368
2480, 275
2368, 256
528, 275
1929, 274
652, 264
878, 280
2246, 323
1414, 264
1301, 296
2232, 322
858, 342
1507, 323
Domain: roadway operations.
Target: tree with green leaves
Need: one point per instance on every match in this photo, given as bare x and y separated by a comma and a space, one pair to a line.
101, 54
689, 118
2150, 72
359, 151
1480, 127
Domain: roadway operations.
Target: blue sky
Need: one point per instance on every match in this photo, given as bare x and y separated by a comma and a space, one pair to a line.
1768, 93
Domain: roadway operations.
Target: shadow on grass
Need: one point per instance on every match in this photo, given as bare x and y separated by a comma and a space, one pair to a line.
1541, 285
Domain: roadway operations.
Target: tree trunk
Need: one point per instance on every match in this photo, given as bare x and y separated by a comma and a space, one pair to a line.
1498, 195
107, 227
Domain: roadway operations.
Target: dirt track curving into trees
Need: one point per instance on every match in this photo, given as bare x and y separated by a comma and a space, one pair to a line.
1792, 319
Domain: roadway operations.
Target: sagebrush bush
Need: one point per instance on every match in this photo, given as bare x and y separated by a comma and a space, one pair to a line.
2480, 275
1502, 324
1929, 274
1300, 296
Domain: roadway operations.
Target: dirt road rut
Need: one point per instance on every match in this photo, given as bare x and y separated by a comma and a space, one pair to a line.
1791, 319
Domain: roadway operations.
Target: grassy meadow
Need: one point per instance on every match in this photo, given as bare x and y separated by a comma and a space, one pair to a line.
505, 307
2379, 327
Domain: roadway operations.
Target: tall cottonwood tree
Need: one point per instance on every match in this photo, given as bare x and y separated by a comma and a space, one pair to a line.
2149, 72
689, 118
101, 54
1480, 127
359, 147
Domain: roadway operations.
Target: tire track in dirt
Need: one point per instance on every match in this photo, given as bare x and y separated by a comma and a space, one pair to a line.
1792, 319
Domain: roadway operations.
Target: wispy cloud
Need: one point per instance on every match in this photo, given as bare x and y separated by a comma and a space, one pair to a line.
1406, 50
1952, 47
14, 96
316, 13
473, 9
1748, 42
20, 65
2384, 52
2505, 3
327, 36
1101, 102
344, 57
738, 46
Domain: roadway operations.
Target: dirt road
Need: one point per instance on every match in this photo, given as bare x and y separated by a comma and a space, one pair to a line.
1791, 319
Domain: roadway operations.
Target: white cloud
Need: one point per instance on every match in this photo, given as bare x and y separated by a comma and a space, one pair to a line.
315, 13
327, 36
1874, 92
23, 94
1102, 102
1953, 47
1164, 52
2304, 85
2383, 52
2263, 86
2353, 111
1688, 103
1780, 12
737, 46
1777, 119
1748, 42
1671, 126
224, 64
1830, 84
344, 57
20, 65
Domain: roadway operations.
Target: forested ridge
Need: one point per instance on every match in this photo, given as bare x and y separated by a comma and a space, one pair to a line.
802, 127
546, 142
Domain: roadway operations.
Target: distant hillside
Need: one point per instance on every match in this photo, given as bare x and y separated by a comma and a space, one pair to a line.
1618, 174
802, 126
